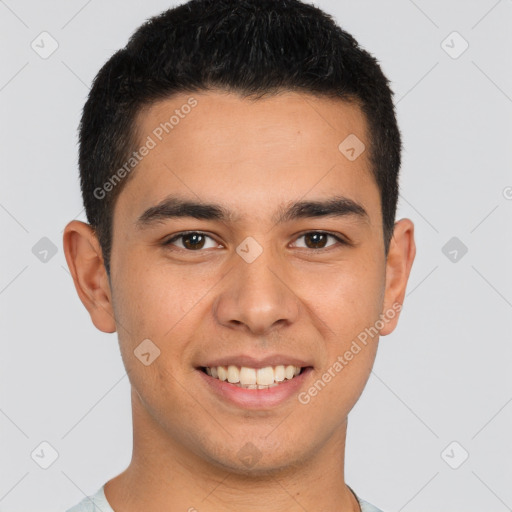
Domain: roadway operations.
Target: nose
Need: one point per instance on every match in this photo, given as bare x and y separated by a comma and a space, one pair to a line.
257, 297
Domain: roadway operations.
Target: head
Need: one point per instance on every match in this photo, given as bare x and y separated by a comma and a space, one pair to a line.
263, 130
252, 49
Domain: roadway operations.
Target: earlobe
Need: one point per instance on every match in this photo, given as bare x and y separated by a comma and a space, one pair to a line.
402, 251
85, 261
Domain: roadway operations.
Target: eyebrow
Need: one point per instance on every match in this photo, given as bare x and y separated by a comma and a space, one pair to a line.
176, 207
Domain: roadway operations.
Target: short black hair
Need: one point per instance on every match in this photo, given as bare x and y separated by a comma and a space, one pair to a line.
249, 47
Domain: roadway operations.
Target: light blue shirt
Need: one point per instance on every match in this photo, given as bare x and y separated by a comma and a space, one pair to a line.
98, 503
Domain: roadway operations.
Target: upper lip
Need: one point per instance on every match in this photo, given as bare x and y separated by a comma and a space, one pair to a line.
257, 362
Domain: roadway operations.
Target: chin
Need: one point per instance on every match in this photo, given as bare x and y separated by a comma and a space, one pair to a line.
255, 460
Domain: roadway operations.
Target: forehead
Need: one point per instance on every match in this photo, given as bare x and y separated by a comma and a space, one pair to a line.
224, 120
219, 147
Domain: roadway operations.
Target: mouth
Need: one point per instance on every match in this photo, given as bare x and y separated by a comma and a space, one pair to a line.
258, 387
253, 378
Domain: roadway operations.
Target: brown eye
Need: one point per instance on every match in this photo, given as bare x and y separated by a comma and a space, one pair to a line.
191, 241
318, 239
315, 240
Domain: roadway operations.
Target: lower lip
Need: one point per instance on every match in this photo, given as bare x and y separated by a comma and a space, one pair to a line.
256, 398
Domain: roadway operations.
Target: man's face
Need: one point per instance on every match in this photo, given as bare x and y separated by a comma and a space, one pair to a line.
248, 289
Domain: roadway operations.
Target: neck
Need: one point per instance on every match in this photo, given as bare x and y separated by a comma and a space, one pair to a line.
164, 475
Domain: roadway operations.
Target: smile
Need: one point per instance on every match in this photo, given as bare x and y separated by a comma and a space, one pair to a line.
253, 388
253, 378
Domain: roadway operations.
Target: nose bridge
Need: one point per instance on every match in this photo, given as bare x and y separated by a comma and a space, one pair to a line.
256, 296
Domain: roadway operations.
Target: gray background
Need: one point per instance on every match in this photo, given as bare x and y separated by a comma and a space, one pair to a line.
443, 376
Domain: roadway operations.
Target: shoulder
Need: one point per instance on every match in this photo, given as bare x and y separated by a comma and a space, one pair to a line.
365, 506
368, 507
95, 503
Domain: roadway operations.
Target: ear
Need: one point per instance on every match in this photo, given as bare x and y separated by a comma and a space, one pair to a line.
402, 251
85, 262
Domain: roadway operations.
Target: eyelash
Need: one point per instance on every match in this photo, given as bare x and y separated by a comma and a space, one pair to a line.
340, 240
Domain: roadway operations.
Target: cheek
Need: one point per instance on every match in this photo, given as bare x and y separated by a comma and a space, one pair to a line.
151, 300
161, 304
152, 304
348, 299
349, 306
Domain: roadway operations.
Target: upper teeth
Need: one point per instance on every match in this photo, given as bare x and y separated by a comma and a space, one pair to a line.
254, 377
